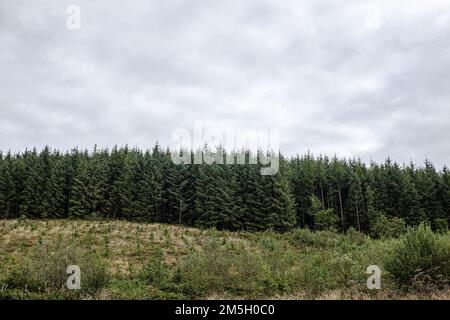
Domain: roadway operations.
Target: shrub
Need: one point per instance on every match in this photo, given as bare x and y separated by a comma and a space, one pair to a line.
324, 270
279, 261
420, 258
219, 268
302, 236
46, 271
268, 243
234, 268
135, 288
126, 288
383, 226
156, 271
321, 239
355, 237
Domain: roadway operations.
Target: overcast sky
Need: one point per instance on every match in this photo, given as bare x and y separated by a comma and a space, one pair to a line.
352, 78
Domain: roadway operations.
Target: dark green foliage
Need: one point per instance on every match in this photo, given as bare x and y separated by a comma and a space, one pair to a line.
387, 227
319, 193
359, 194
89, 185
324, 219
8, 194
420, 258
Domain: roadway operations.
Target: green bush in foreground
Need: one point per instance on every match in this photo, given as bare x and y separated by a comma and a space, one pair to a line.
233, 268
156, 271
45, 271
420, 259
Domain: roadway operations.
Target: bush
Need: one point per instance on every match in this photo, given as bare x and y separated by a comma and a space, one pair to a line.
355, 237
45, 271
328, 239
218, 268
126, 288
318, 238
234, 268
279, 261
156, 271
324, 270
420, 258
383, 226
133, 288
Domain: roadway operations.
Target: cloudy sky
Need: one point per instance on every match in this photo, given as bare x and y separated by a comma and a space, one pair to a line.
352, 78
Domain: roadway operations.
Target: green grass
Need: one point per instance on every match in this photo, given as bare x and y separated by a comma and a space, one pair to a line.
124, 260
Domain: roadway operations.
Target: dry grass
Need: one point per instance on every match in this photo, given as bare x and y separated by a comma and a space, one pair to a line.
127, 242
127, 246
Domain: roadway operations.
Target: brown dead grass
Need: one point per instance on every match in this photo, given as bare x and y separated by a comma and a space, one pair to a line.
128, 245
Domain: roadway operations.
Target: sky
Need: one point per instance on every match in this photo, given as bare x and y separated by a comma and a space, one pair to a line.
363, 79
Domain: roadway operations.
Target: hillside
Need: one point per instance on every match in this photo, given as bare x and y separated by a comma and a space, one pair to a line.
125, 260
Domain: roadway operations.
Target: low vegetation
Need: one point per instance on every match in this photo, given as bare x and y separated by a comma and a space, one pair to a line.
421, 259
124, 260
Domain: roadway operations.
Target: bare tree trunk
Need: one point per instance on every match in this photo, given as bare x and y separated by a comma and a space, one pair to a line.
301, 207
357, 216
342, 211
321, 193
179, 215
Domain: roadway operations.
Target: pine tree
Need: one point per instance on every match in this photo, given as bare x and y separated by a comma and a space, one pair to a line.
171, 193
144, 201
182, 185
427, 181
355, 198
256, 205
55, 193
408, 202
8, 196
187, 191
157, 192
130, 183
303, 177
80, 204
282, 205
35, 184
446, 193
338, 178
116, 193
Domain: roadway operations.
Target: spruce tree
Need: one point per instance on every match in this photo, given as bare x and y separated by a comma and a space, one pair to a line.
8, 196
281, 202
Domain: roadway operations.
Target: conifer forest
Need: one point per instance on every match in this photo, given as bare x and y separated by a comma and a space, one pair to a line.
145, 185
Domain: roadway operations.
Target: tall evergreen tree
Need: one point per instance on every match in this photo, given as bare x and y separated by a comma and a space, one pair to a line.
130, 184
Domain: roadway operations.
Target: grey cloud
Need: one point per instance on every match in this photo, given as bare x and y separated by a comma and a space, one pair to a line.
137, 71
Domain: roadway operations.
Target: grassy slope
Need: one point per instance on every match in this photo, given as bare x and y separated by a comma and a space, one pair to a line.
297, 265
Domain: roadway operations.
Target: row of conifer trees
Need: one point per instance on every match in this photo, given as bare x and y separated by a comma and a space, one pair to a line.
132, 184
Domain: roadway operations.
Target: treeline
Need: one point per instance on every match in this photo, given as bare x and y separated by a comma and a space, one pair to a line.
314, 192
